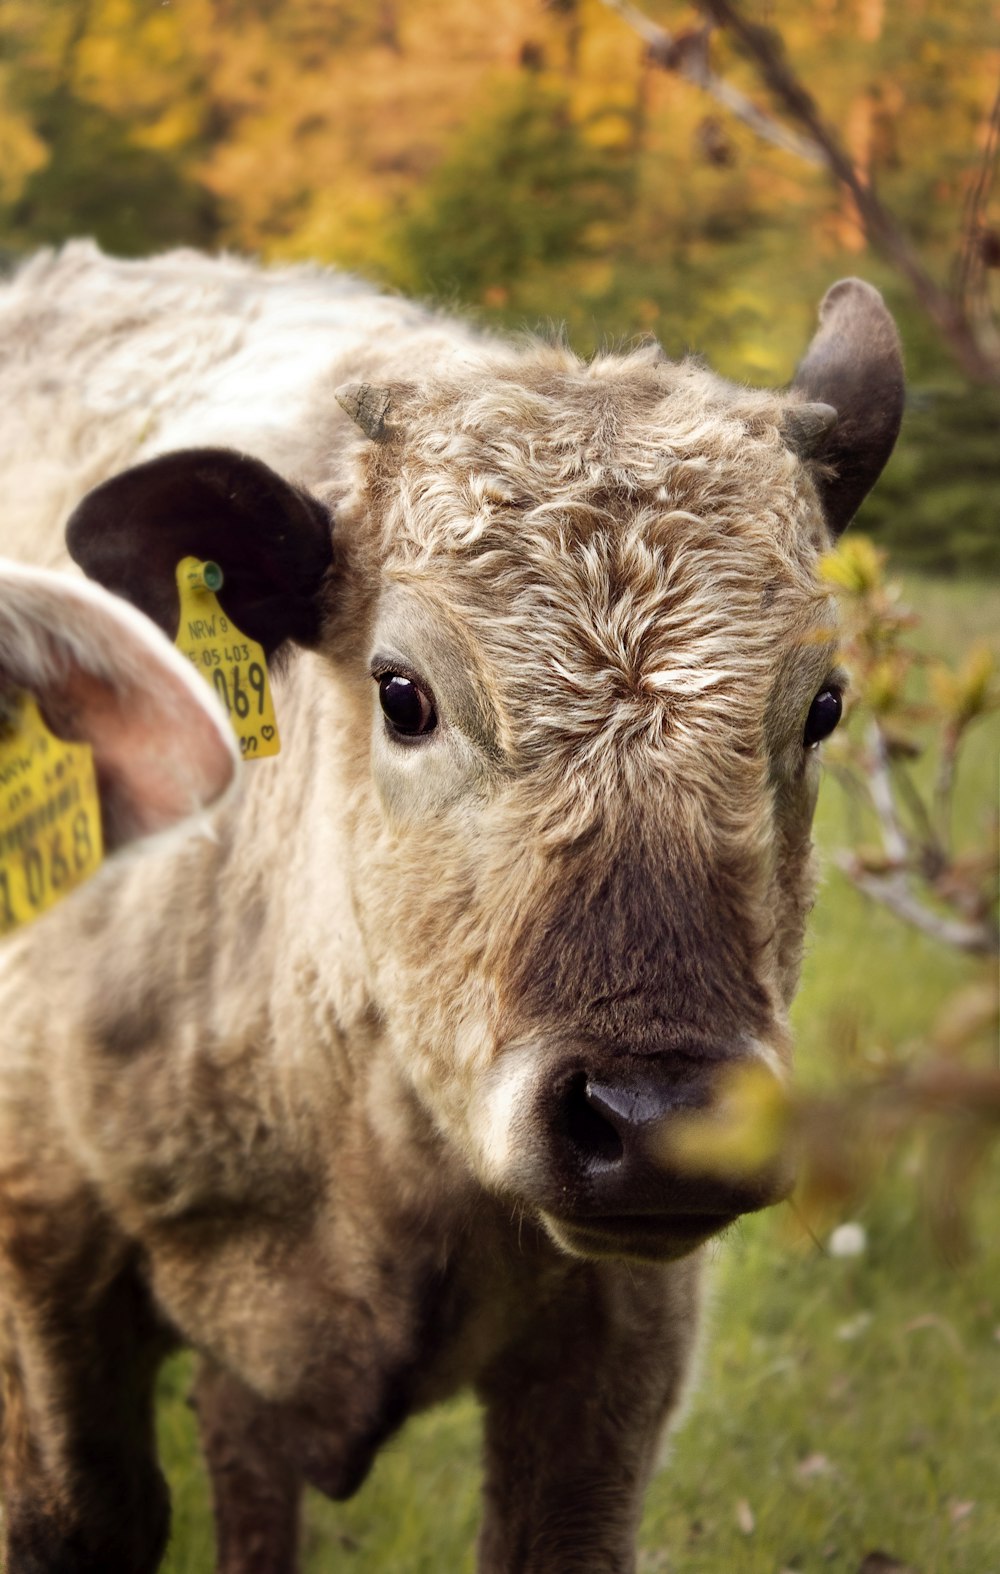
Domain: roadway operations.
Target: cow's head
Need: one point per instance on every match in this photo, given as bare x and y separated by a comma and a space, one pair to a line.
596, 664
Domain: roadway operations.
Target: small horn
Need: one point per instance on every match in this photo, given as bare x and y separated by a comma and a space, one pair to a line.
806, 427
367, 405
855, 363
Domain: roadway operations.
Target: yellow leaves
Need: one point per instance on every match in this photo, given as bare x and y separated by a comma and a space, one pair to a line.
855, 565
22, 151
134, 60
647, 311
175, 128
340, 224
969, 692
880, 663
883, 685
594, 275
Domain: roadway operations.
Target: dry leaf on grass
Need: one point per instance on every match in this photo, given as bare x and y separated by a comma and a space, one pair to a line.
813, 1465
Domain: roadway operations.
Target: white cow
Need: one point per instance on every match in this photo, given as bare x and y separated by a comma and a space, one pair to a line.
369, 1096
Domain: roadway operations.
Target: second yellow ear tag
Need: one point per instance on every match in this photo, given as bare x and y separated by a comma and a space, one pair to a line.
50, 816
233, 664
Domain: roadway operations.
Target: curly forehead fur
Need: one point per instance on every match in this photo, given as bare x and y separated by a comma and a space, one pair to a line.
631, 538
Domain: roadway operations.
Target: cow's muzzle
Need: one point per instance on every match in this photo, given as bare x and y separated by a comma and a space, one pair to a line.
622, 1169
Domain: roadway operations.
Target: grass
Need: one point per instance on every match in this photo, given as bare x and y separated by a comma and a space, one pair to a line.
845, 1405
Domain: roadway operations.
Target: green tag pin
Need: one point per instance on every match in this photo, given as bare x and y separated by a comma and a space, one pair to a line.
206, 576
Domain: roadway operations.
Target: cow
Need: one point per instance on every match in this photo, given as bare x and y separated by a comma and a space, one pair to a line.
367, 1095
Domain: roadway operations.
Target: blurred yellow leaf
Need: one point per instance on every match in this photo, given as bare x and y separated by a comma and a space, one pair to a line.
744, 1130
883, 687
854, 565
22, 152
969, 692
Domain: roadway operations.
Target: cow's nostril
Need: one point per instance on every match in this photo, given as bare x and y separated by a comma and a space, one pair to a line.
587, 1129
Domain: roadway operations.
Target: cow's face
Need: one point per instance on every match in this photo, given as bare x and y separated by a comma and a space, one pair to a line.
598, 666
597, 663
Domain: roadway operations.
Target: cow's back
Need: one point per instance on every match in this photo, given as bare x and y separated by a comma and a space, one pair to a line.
106, 362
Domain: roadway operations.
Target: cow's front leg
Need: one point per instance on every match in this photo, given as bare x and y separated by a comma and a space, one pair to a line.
255, 1491
82, 1490
574, 1414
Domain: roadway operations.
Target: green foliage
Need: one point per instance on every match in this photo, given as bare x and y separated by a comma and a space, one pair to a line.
935, 508
86, 160
99, 182
516, 194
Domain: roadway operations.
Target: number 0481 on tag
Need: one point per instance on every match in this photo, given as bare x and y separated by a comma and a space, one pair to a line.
233, 664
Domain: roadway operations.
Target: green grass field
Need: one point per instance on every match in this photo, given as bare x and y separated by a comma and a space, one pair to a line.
845, 1405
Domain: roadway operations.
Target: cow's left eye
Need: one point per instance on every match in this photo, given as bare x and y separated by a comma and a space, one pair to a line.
824, 714
407, 707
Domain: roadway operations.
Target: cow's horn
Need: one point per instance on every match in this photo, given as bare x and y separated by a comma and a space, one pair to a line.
367, 405
855, 363
806, 427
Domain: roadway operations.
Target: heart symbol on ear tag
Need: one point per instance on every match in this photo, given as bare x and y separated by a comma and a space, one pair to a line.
267, 733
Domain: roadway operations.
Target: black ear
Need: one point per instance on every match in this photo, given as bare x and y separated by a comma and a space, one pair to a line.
272, 541
855, 364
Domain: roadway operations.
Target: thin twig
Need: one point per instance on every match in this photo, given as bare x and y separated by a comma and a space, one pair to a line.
764, 47
893, 891
934, 849
977, 353
977, 256
975, 206
944, 783
878, 779
692, 64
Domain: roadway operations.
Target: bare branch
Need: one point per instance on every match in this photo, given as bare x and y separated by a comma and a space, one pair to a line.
879, 783
978, 196
971, 272
945, 1085
933, 849
970, 334
764, 48
944, 783
893, 891
692, 63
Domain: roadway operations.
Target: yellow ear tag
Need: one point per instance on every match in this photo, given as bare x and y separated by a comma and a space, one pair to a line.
50, 814
234, 665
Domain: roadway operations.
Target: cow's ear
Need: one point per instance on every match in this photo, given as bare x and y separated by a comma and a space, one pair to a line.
854, 367
102, 674
272, 541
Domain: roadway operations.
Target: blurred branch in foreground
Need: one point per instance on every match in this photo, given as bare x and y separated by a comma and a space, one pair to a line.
841, 1142
942, 1095
963, 316
915, 867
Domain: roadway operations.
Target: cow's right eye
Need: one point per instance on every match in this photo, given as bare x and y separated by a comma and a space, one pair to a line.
824, 714
407, 707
